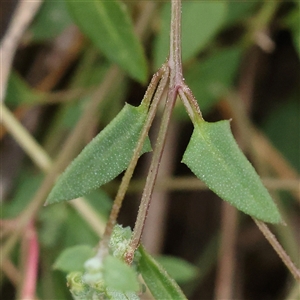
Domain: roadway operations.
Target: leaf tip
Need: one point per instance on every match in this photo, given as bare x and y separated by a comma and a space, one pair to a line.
52, 197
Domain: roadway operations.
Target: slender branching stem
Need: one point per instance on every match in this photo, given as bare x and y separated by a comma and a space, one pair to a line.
278, 248
23, 15
175, 65
153, 92
175, 61
20, 134
190, 103
31, 258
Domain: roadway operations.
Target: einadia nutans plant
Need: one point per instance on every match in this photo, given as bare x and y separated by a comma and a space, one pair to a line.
212, 155
120, 267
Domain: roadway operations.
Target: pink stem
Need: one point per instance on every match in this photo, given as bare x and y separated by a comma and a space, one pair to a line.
31, 263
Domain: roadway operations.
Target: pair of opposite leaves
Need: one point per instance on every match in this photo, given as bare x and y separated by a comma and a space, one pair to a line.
212, 154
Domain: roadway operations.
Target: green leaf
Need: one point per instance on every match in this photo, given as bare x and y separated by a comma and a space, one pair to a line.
73, 258
200, 22
239, 11
101, 202
292, 21
51, 20
76, 231
119, 276
19, 92
214, 157
104, 158
25, 187
161, 285
179, 269
108, 25
52, 223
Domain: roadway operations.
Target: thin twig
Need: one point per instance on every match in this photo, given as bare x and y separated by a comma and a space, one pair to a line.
190, 103
191, 183
21, 135
155, 226
11, 272
145, 16
227, 258
23, 15
64, 96
162, 76
278, 248
175, 65
64, 51
175, 61
275, 159
31, 259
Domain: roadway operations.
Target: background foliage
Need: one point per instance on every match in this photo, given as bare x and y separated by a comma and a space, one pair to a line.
241, 60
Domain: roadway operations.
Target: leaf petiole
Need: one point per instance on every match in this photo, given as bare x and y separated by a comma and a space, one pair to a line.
154, 93
190, 103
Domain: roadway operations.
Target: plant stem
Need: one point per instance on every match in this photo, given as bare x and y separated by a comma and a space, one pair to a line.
11, 272
23, 15
174, 61
278, 248
31, 259
224, 287
160, 77
190, 103
176, 80
191, 183
20, 134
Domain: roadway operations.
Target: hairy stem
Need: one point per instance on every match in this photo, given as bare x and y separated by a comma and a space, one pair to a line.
160, 77
190, 103
278, 248
175, 66
175, 62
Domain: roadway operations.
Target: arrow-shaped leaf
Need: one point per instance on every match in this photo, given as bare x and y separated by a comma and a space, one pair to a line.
215, 158
104, 158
